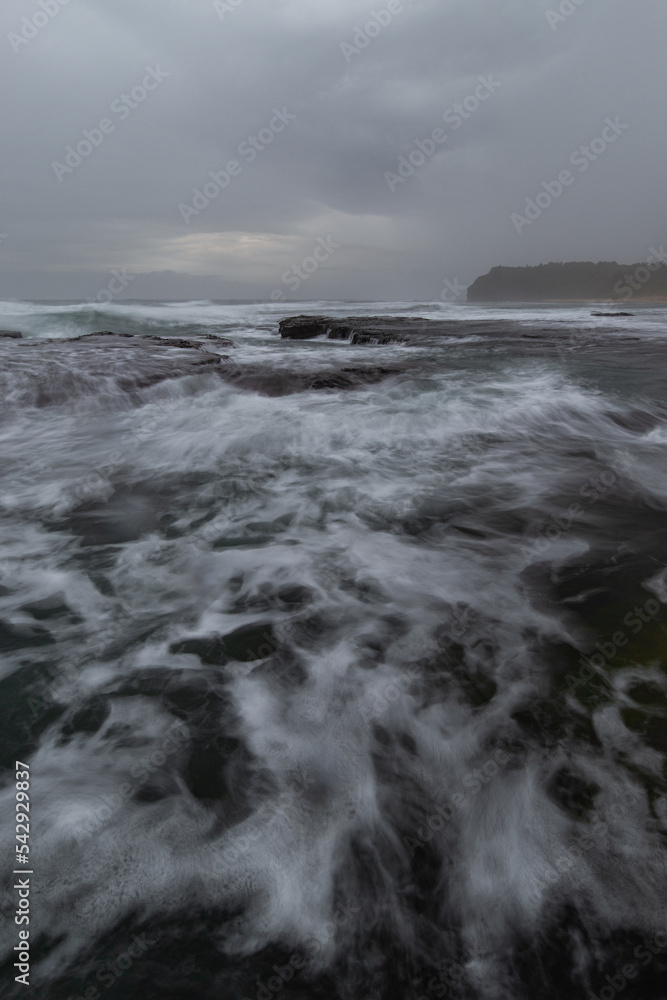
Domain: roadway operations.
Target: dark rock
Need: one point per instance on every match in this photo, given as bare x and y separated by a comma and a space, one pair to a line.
149, 682
184, 699
244, 541
54, 606
351, 378
206, 773
375, 337
295, 595
651, 729
103, 333
202, 341
611, 314
11, 334
312, 631
635, 420
245, 644
29, 709
192, 696
174, 342
648, 695
363, 330
251, 642
288, 597
14, 637
573, 793
133, 363
284, 668
87, 719
304, 327
209, 648
124, 517
356, 329
269, 381
478, 689
222, 341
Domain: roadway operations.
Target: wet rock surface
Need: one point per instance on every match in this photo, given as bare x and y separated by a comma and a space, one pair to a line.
356, 330
267, 380
419, 331
45, 372
125, 363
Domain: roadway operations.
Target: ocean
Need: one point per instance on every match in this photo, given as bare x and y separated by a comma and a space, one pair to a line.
336, 670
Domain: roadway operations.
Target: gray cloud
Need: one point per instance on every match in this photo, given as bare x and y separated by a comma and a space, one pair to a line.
357, 113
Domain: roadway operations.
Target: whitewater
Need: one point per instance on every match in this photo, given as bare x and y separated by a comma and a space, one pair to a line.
339, 667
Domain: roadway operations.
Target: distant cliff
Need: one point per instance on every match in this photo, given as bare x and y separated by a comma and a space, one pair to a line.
575, 280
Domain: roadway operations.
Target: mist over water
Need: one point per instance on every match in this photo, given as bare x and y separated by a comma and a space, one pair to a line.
340, 669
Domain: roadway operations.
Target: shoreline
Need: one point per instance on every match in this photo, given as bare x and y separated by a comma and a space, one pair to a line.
644, 300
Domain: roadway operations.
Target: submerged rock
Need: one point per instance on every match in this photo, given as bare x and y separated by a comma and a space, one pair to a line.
21, 636
251, 642
209, 648
245, 644
30, 708
272, 381
201, 342
52, 371
11, 334
102, 333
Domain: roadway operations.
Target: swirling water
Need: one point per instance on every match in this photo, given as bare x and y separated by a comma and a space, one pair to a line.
336, 689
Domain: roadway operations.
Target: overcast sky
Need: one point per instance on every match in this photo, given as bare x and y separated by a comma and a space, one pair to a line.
351, 103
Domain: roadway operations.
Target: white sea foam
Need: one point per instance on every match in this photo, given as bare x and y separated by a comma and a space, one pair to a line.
385, 735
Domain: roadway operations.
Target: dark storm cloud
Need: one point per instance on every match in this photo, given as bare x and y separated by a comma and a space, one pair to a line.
359, 90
